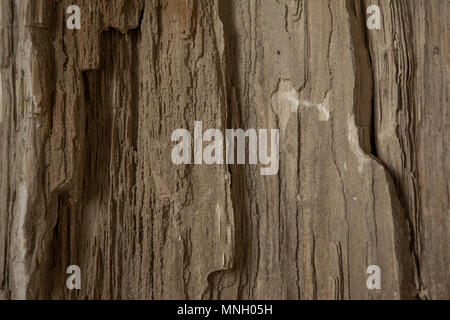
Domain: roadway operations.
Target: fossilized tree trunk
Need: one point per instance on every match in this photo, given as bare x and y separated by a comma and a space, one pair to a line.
86, 178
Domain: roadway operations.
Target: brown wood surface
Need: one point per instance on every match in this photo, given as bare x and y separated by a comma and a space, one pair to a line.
86, 177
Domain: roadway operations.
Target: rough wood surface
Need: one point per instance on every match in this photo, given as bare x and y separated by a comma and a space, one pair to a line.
86, 178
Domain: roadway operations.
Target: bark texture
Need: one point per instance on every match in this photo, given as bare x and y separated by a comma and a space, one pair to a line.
86, 176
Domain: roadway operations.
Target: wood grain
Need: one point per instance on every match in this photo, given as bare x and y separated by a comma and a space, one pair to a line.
86, 178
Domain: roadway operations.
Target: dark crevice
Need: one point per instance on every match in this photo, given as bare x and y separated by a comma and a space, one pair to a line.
97, 127
362, 44
237, 172
373, 141
13, 62
396, 180
10, 197
399, 190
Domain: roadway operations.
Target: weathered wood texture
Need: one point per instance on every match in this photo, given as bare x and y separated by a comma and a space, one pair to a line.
86, 178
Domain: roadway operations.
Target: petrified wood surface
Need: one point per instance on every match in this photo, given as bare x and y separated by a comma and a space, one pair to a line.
86, 178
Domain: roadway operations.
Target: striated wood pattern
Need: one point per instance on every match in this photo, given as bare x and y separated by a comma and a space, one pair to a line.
86, 176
